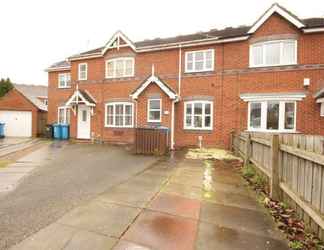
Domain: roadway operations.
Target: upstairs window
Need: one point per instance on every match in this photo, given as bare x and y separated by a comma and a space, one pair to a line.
83, 71
273, 53
64, 80
198, 115
154, 110
277, 116
199, 61
120, 67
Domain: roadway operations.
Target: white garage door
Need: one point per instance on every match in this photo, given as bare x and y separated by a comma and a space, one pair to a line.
18, 123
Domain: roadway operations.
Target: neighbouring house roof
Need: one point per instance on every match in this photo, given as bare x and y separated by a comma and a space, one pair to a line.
154, 79
33, 93
319, 94
213, 35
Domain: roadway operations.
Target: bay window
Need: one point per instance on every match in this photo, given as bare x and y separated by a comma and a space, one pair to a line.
119, 114
273, 53
63, 115
120, 67
154, 110
276, 115
199, 61
198, 115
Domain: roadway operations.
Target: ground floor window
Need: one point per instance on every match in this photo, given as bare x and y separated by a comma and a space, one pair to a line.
198, 115
119, 114
63, 115
154, 110
272, 116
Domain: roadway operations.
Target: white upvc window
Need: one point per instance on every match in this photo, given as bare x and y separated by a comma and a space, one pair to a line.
273, 53
120, 67
119, 115
63, 115
154, 110
198, 115
199, 61
276, 116
64, 80
82, 71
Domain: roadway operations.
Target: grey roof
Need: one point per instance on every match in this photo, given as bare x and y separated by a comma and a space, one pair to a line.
60, 64
314, 22
32, 93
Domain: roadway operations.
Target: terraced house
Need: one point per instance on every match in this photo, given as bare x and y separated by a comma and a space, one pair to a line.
265, 77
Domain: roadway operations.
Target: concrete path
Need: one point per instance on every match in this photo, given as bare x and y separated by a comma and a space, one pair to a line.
178, 205
9, 145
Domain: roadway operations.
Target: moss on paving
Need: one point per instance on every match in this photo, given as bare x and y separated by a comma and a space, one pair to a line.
4, 163
211, 153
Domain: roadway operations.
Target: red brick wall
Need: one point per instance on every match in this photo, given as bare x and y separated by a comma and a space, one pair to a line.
15, 101
231, 77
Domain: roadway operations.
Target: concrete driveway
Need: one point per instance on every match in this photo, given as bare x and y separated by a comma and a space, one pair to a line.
64, 176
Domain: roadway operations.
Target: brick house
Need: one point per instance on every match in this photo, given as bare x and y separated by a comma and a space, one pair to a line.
264, 77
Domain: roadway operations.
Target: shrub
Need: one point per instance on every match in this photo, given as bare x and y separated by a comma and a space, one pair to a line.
5, 86
248, 171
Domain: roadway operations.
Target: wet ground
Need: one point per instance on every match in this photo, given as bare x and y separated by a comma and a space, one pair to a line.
175, 204
63, 176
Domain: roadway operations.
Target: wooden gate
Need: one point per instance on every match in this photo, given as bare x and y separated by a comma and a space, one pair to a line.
151, 141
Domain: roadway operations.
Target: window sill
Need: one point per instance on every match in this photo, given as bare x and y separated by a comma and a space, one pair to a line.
114, 127
273, 131
198, 130
272, 66
199, 72
64, 87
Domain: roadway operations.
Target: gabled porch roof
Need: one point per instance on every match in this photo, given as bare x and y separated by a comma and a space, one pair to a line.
154, 79
81, 97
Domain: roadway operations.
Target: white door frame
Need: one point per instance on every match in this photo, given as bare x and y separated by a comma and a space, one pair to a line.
84, 122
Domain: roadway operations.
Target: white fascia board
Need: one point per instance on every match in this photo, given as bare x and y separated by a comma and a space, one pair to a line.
314, 30
89, 56
272, 97
57, 69
114, 37
154, 79
78, 94
320, 100
276, 9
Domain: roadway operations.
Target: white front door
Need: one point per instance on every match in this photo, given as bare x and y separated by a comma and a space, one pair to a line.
84, 124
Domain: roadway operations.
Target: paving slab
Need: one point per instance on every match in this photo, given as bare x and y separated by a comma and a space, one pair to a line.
221, 238
126, 245
53, 237
162, 231
101, 217
176, 205
256, 222
183, 190
84, 240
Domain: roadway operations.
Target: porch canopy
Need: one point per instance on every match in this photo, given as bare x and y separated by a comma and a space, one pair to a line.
81, 97
162, 85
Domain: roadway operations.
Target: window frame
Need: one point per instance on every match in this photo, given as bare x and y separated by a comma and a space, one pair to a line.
67, 80
149, 109
66, 109
114, 60
262, 44
204, 102
113, 104
264, 116
193, 70
86, 72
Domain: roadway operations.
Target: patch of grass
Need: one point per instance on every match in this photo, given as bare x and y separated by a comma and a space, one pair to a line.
4, 163
296, 245
259, 181
248, 171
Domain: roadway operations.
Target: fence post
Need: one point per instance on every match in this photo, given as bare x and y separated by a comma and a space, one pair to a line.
247, 150
274, 182
232, 141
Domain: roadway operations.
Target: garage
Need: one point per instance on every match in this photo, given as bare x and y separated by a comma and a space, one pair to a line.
18, 123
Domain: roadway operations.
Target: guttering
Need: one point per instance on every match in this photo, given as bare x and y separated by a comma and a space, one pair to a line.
57, 69
314, 30
86, 56
172, 124
192, 43
180, 71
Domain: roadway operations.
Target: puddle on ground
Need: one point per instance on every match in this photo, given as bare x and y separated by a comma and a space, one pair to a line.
211, 153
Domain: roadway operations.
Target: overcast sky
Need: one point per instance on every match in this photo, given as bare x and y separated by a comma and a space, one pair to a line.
37, 33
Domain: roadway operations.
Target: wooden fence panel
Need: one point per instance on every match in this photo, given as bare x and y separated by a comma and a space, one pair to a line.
151, 141
301, 174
